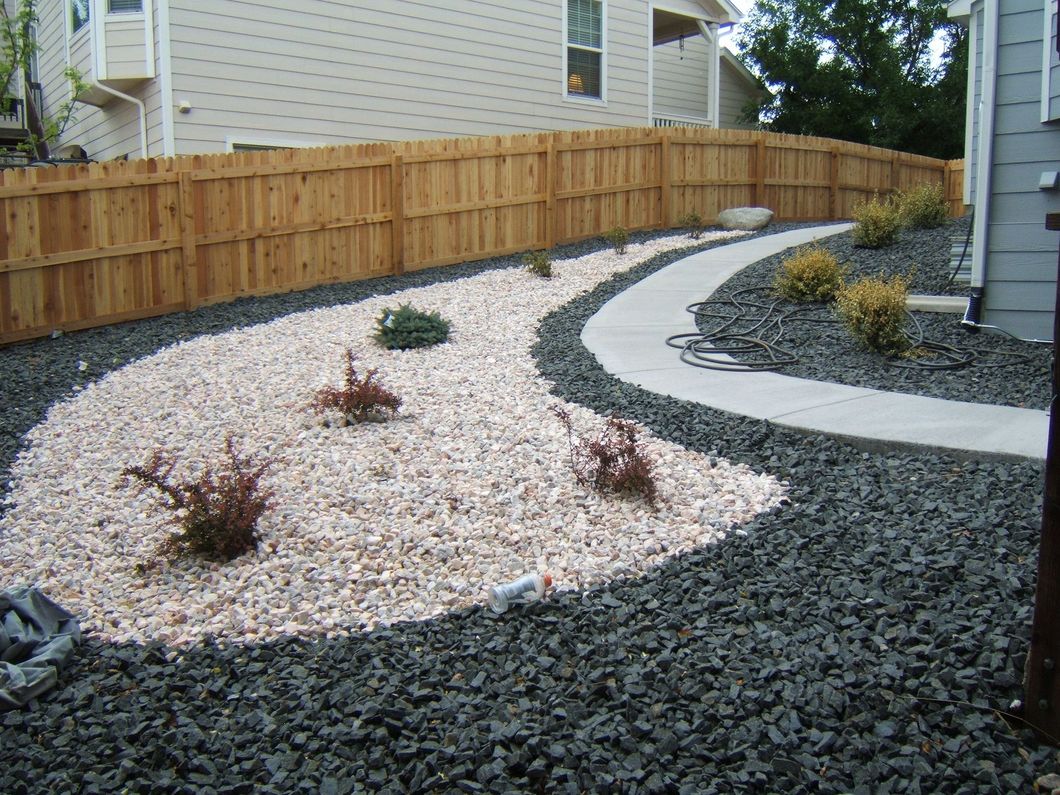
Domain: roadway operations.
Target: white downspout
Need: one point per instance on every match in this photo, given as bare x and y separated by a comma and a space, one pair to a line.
710, 34
986, 143
973, 317
139, 106
99, 68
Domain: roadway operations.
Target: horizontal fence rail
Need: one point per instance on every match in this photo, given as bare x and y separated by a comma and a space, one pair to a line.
89, 245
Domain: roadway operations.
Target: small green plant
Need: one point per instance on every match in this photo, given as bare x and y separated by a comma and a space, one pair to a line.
613, 461
359, 399
873, 310
405, 328
538, 263
877, 224
617, 238
217, 513
811, 274
693, 222
923, 207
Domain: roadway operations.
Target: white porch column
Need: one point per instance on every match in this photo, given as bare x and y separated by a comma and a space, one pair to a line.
710, 35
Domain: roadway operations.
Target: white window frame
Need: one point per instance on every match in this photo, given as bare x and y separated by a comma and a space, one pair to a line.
126, 12
255, 143
1049, 56
579, 98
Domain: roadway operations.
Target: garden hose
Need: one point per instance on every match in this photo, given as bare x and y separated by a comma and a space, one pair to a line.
747, 332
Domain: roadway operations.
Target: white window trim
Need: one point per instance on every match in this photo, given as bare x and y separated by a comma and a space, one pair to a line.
1049, 9
232, 141
600, 101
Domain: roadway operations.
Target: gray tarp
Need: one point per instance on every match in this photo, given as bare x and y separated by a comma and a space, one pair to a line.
37, 638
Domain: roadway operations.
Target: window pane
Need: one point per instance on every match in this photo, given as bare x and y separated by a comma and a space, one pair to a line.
585, 23
125, 6
583, 73
79, 13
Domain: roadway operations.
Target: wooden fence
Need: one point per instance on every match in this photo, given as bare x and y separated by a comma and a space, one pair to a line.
89, 245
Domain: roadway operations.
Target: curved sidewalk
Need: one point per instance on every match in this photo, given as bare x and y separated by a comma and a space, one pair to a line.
628, 337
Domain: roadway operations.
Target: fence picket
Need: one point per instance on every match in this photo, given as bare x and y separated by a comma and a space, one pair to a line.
82, 246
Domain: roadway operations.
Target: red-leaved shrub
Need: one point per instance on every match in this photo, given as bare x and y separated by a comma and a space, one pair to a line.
358, 399
613, 461
217, 513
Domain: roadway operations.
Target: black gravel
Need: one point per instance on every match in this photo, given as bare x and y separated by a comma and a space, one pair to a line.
827, 352
857, 640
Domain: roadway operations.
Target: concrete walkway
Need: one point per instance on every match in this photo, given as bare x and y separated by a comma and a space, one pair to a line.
628, 337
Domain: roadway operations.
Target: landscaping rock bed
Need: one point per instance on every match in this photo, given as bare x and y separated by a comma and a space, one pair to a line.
827, 352
858, 640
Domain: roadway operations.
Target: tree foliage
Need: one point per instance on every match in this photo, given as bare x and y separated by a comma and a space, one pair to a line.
18, 45
861, 71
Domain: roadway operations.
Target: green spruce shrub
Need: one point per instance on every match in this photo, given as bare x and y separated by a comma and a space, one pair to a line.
538, 263
923, 207
405, 327
873, 311
811, 274
877, 224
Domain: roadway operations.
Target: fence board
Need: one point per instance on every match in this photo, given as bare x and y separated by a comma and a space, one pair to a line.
93, 244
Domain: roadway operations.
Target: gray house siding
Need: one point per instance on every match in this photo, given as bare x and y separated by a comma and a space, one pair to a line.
1021, 255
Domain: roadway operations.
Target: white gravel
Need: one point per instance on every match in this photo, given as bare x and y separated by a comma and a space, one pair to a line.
373, 523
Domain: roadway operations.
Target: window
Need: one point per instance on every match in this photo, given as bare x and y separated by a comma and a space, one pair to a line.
125, 6
585, 48
78, 14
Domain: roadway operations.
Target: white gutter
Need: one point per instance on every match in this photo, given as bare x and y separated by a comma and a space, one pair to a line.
986, 144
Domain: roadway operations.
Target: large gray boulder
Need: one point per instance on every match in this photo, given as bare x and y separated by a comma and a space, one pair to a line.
745, 218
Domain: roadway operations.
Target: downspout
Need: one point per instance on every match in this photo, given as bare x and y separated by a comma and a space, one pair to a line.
972, 320
139, 106
99, 72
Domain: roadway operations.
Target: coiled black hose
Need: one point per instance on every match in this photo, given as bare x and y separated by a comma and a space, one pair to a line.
748, 331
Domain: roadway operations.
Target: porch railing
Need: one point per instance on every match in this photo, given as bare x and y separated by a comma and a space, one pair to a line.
670, 120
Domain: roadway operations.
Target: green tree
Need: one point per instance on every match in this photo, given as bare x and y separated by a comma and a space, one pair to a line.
18, 45
860, 70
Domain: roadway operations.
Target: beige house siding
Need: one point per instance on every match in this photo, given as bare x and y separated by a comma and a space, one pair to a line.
680, 78
735, 93
329, 73
125, 50
319, 72
104, 133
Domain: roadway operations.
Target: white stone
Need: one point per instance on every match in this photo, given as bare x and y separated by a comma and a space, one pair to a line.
374, 523
745, 218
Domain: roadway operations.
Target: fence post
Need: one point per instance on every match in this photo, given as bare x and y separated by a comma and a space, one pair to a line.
550, 192
666, 179
894, 174
760, 173
397, 213
833, 185
187, 240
